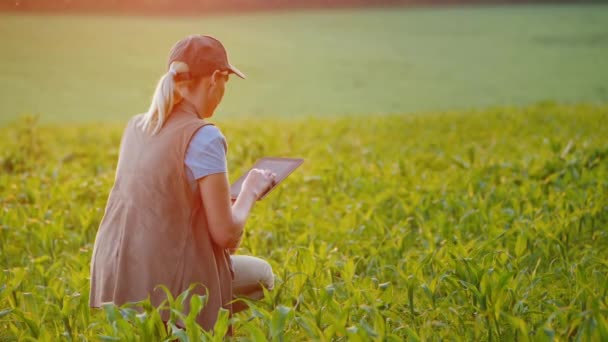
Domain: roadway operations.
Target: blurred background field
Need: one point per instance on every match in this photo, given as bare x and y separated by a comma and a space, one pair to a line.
70, 68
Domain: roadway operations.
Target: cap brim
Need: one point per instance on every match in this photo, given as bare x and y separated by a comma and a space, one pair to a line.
236, 71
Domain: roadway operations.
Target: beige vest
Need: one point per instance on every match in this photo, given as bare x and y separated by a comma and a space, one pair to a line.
154, 230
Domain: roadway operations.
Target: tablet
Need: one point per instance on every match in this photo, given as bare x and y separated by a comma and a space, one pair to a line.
283, 167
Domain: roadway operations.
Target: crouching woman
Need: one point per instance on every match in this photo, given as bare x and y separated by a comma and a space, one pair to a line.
169, 218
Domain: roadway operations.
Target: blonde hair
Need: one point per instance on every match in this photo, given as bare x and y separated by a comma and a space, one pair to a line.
163, 100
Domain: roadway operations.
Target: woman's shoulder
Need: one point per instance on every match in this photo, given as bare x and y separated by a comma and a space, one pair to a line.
208, 135
135, 119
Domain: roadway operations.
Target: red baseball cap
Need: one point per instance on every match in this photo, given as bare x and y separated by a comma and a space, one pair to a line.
203, 55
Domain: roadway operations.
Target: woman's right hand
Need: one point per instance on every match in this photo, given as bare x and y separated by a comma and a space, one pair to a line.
258, 181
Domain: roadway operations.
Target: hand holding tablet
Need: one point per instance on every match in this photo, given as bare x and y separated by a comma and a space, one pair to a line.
258, 181
273, 167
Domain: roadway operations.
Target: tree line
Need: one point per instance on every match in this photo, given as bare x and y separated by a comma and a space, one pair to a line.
202, 6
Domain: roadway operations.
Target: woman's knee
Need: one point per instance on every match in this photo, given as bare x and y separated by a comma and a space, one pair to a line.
252, 271
267, 276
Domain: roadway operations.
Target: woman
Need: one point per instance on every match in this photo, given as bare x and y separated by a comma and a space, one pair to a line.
169, 219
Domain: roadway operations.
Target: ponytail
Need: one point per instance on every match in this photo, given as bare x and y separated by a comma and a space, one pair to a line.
163, 100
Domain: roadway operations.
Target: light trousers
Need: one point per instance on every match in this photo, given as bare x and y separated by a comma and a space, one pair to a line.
250, 275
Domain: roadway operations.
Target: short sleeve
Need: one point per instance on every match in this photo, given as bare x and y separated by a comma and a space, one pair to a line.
206, 152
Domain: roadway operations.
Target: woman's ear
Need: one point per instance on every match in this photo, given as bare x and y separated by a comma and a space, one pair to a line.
215, 77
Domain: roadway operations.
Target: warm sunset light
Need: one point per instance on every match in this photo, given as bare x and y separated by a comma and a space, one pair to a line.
323, 170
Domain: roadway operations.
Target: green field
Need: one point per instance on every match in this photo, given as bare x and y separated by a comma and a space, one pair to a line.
455, 185
104, 68
480, 225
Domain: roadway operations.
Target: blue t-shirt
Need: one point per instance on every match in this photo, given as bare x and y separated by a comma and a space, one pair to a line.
206, 154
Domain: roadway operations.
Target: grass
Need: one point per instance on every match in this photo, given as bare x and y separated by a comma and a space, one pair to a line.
447, 223
343, 62
471, 225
